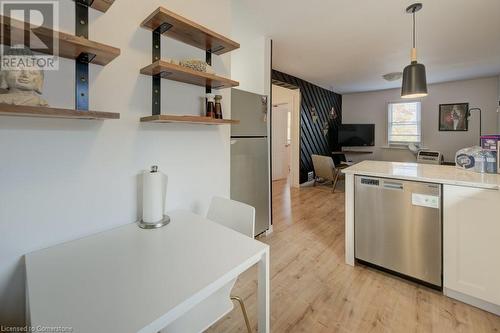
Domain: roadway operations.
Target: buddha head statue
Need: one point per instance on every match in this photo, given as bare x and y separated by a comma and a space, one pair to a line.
24, 85
22, 80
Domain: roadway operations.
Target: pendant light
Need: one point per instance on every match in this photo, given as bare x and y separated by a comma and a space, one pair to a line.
414, 79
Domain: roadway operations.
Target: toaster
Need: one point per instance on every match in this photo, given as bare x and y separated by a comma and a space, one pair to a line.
429, 157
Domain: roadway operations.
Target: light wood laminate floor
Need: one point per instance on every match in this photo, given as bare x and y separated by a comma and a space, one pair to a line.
313, 290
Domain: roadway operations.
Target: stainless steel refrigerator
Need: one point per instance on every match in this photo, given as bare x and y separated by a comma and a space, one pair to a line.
250, 182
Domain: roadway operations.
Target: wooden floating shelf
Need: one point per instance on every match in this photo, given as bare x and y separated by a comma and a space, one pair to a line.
187, 75
49, 112
189, 32
187, 120
102, 5
70, 46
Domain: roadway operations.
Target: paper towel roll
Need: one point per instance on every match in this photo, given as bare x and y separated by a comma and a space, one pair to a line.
152, 197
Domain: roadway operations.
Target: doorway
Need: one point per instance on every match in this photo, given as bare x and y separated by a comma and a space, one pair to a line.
285, 132
281, 141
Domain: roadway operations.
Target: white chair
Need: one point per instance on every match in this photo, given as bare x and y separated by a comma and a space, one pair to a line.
241, 218
325, 168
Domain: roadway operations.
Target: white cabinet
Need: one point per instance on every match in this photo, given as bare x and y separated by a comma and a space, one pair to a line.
471, 243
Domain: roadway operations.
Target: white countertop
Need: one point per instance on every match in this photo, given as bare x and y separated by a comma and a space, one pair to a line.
441, 174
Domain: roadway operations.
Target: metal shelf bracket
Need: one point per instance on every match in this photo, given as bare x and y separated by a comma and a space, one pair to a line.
156, 55
83, 60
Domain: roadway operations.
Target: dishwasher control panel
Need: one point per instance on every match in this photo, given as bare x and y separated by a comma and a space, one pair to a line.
370, 181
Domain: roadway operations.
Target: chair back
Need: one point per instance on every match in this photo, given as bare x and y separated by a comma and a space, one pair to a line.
241, 218
233, 214
323, 167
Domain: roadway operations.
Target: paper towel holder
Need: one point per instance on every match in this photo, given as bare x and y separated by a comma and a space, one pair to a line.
162, 223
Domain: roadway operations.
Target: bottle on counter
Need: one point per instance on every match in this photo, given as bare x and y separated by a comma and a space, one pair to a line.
491, 161
210, 106
480, 160
218, 107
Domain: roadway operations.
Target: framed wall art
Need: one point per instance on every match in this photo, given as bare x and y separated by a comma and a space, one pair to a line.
454, 117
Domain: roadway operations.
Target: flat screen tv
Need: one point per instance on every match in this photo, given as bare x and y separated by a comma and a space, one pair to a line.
357, 135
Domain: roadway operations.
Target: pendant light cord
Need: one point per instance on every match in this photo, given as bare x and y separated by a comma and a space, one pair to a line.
414, 33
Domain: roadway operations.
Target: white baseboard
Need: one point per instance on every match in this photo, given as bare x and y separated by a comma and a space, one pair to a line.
478, 303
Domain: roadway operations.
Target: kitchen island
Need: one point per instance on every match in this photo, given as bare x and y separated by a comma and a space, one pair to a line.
470, 207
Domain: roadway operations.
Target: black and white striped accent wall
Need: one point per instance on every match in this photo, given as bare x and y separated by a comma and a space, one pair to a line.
320, 118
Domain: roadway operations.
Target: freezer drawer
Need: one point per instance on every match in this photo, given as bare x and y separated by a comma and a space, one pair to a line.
397, 226
250, 177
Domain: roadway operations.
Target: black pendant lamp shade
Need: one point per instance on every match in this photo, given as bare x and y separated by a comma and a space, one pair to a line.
414, 81
414, 78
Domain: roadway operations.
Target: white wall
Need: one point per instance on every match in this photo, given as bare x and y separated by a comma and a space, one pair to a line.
251, 64
371, 108
64, 179
292, 99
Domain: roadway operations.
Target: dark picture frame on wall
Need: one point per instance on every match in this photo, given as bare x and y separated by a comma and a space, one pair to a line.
454, 117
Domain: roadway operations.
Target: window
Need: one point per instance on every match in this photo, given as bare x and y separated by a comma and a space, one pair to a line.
404, 125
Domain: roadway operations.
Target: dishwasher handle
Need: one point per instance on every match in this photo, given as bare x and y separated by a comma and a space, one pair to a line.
393, 185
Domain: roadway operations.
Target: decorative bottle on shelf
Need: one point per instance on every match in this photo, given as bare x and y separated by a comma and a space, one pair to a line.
218, 107
210, 106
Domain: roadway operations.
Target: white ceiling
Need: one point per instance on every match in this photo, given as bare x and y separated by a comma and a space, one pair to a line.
347, 45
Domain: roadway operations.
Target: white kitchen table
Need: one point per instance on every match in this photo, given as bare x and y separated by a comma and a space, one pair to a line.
134, 280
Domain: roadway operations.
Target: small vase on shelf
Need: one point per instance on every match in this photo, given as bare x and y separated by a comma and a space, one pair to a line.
218, 107
210, 112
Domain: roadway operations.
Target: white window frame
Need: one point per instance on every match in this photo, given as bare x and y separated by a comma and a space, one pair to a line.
389, 124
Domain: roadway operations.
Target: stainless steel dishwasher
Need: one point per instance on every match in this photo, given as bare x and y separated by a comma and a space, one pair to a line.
397, 227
